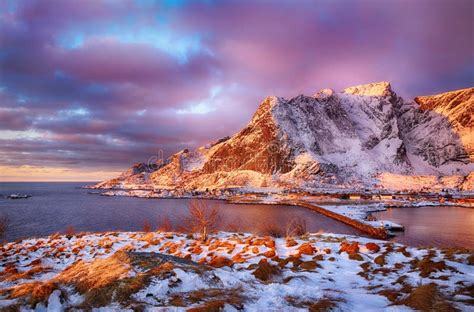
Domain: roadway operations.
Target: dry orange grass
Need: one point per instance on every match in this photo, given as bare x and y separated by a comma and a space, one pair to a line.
265, 270
209, 299
25, 275
151, 239
427, 298
35, 292
99, 273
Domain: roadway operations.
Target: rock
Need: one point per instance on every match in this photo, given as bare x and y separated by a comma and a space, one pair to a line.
153, 259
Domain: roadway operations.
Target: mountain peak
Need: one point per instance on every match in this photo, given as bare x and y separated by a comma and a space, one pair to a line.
324, 94
382, 88
327, 140
450, 99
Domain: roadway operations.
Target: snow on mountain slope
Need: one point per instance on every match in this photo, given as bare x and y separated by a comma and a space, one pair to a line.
438, 131
363, 136
458, 108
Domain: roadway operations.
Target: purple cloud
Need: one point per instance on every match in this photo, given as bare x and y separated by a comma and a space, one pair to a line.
104, 84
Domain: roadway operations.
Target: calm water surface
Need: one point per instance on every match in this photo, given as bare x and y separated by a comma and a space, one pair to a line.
444, 226
54, 206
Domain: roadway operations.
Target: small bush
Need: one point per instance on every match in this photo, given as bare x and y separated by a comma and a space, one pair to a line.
296, 227
271, 229
234, 226
203, 218
3, 226
164, 225
70, 231
146, 226
265, 270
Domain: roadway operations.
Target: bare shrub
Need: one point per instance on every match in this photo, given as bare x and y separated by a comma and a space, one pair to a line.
70, 231
3, 226
233, 227
203, 218
180, 228
271, 229
296, 227
146, 226
164, 224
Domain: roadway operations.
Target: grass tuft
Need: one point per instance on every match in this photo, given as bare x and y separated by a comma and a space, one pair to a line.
427, 298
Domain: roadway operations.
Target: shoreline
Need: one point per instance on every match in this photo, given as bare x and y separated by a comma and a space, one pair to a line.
355, 217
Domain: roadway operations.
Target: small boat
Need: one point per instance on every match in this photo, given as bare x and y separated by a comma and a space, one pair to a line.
18, 196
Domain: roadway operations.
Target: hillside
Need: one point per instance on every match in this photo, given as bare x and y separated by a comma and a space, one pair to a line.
363, 136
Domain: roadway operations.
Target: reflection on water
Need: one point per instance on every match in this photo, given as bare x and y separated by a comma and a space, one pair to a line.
54, 206
444, 226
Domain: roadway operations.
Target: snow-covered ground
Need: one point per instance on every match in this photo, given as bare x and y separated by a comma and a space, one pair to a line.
232, 271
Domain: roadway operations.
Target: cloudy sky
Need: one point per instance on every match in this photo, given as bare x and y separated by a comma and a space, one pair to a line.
89, 87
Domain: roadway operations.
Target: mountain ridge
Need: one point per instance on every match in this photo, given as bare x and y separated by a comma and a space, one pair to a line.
331, 139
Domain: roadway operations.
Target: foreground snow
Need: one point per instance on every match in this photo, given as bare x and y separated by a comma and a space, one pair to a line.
231, 271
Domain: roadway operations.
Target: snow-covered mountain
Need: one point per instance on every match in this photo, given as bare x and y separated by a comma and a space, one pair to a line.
361, 137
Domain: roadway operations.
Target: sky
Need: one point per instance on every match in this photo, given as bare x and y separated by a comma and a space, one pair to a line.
89, 87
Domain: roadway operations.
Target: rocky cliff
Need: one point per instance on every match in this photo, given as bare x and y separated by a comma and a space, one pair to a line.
363, 136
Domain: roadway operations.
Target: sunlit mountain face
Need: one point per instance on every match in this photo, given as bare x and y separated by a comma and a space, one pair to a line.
88, 88
361, 138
